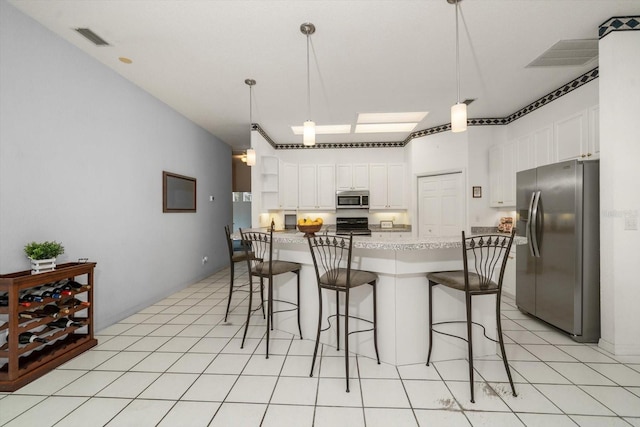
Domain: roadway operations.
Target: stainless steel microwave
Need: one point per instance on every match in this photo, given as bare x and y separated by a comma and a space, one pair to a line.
352, 200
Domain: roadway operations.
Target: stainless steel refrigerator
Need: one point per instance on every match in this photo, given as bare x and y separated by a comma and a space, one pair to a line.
558, 270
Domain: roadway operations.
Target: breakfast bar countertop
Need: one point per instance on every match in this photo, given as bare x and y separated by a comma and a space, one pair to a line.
385, 242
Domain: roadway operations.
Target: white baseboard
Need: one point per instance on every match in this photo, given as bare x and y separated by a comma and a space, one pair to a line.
620, 349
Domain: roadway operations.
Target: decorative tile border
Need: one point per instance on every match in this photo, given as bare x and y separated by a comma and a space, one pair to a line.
619, 23
256, 126
552, 96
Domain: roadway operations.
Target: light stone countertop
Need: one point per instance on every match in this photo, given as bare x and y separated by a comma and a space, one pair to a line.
384, 242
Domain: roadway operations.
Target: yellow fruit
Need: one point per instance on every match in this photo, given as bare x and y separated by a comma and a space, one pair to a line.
319, 221
301, 221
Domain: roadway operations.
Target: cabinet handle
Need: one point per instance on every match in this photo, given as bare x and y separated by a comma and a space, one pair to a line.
583, 156
500, 203
588, 154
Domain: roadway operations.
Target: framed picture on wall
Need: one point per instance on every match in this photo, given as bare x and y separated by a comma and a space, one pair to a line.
477, 192
178, 193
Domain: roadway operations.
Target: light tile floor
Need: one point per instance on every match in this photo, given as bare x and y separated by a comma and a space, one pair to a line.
176, 363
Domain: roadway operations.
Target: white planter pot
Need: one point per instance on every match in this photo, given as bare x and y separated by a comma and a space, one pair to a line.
42, 265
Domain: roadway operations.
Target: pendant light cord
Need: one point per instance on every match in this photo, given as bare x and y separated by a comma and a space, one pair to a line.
308, 84
457, 56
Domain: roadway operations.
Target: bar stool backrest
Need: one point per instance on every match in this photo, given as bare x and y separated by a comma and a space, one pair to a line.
227, 231
486, 255
331, 256
259, 243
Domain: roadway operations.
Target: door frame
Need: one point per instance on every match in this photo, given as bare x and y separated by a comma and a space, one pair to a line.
465, 186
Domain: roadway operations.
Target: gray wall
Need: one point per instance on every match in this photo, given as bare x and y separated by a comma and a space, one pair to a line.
82, 152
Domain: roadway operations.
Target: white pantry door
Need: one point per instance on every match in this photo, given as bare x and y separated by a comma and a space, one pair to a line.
440, 207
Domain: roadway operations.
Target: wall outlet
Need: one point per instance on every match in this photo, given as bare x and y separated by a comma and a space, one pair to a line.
205, 259
630, 222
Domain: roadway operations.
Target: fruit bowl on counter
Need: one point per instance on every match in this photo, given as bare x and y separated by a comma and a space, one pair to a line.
308, 227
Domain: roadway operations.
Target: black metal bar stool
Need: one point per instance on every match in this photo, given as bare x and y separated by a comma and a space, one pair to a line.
261, 264
234, 257
332, 261
483, 256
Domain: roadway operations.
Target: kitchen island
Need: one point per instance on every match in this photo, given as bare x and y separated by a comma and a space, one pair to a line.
401, 265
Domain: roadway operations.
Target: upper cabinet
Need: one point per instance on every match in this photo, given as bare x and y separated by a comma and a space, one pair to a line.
352, 176
502, 175
317, 187
288, 186
386, 186
535, 149
577, 136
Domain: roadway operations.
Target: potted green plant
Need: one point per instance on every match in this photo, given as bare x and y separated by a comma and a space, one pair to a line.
43, 255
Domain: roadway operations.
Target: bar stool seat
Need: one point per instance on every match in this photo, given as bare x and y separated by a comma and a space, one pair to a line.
340, 278
456, 280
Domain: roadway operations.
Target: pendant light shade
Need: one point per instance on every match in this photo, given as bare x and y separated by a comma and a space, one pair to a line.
309, 134
251, 153
251, 157
459, 117
459, 110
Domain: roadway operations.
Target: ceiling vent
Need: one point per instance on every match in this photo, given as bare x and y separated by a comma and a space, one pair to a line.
92, 37
568, 53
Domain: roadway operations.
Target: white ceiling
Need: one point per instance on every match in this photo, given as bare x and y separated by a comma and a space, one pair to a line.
367, 56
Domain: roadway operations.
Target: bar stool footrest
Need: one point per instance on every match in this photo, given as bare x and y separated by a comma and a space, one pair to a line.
484, 330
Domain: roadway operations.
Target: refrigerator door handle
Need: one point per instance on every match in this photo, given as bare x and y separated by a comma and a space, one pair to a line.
533, 221
529, 222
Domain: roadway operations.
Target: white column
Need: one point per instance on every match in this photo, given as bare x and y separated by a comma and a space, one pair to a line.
619, 59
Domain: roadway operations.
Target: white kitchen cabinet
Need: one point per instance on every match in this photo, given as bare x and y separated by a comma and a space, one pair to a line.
289, 186
502, 175
317, 187
352, 176
524, 147
577, 136
386, 186
534, 150
542, 144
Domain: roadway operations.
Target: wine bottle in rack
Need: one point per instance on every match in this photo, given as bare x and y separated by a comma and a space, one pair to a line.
63, 322
46, 292
29, 337
75, 285
64, 290
53, 310
4, 301
73, 303
31, 297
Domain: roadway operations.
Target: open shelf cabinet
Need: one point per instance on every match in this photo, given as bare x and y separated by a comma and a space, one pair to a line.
22, 363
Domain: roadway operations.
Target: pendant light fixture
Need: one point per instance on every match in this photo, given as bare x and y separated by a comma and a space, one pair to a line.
309, 128
251, 153
459, 110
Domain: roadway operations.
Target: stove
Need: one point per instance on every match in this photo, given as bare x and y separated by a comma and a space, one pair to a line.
358, 226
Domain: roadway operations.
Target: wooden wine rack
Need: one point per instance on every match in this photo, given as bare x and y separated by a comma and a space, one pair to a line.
20, 369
